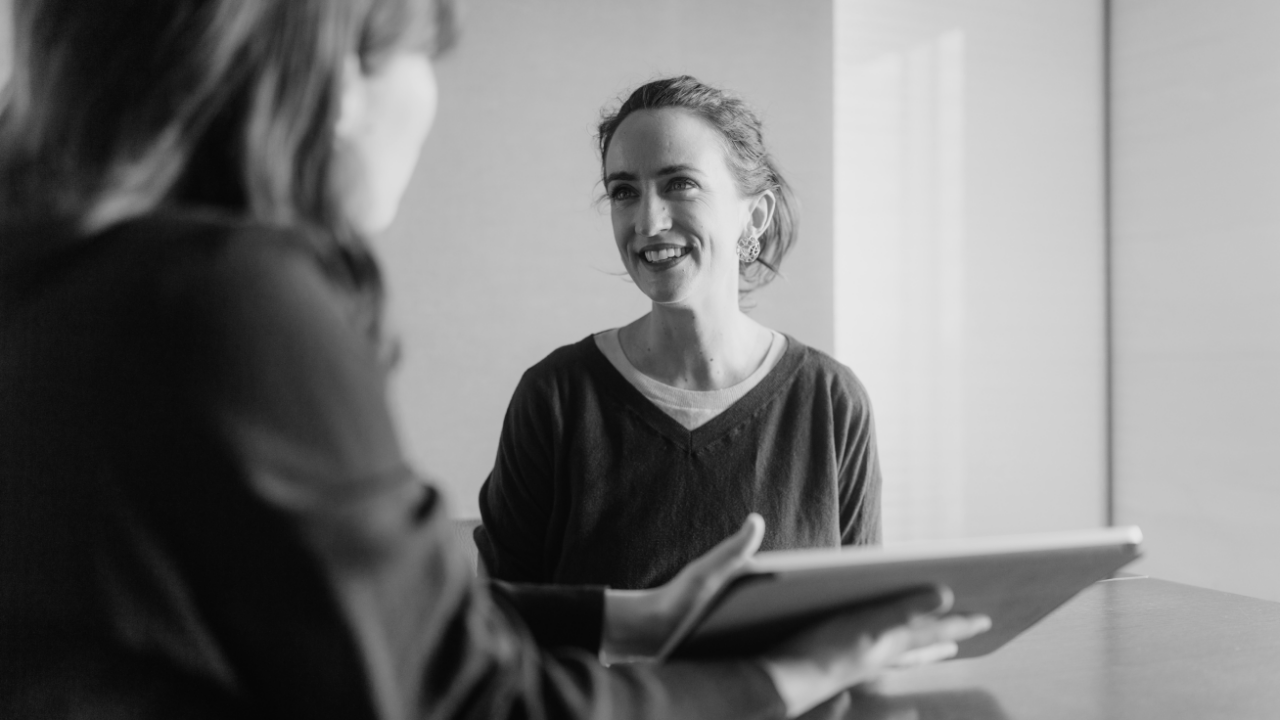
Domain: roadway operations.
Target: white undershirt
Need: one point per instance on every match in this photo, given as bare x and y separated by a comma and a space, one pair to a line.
690, 408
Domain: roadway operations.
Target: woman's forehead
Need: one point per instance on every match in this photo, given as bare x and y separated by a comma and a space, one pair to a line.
649, 140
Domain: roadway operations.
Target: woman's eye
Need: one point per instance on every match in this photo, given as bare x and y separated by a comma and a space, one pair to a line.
621, 192
680, 184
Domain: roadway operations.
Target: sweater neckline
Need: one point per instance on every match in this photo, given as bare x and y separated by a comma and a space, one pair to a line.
634, 401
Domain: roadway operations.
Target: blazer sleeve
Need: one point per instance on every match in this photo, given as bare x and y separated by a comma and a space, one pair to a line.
283, 379
558, 616
859, 463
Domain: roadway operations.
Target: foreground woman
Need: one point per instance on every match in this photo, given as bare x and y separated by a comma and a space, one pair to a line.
205, 511
627, 454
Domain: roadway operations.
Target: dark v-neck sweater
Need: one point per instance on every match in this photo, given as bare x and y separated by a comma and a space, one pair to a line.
593, 483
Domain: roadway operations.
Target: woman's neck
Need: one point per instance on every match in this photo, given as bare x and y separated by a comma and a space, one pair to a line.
696, 349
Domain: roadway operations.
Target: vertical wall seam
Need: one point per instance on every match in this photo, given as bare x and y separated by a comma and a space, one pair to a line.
1109, 428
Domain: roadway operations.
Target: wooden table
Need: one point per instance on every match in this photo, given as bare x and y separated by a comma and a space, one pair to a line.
1127, 648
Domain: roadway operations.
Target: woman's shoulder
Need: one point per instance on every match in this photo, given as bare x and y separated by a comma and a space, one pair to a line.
566, 364
153, 251
812, 361
817, 368
194, 253
213, 272
576, 375
208, 240
150, 257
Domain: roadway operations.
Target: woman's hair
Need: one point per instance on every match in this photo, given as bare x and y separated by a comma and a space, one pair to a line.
749, 160
117, 108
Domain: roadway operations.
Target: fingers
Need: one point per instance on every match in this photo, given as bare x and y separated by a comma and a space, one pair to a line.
927, 636
860, 645
915, 629
936, 600
952, 628
897, 615
926, 655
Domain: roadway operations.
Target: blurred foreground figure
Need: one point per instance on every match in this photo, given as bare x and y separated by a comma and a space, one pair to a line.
204, 511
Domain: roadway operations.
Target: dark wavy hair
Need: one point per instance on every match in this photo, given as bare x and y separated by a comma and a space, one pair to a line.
749, 160
117, 108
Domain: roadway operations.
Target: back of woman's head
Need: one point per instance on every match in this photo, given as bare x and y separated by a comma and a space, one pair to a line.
121, 107
748, 158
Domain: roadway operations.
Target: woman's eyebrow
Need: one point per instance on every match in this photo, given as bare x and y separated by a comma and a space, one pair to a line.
674, 169
668, 170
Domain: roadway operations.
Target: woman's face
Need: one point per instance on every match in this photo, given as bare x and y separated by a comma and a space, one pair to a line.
677, 211
385, 116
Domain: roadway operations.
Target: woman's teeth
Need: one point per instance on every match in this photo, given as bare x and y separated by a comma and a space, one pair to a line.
661, 254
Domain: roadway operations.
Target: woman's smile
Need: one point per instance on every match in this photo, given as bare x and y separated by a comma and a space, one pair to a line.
676, 207
662, 257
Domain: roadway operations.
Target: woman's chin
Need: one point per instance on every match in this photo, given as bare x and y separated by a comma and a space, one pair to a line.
672, 297
371, 225
370, 216
666, 287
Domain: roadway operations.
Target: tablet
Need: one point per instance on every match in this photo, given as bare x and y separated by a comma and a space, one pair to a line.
1015, 580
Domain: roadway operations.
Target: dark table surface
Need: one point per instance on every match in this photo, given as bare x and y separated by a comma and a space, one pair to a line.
1124, 648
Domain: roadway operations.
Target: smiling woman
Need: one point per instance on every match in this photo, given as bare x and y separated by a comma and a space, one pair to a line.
678, 215
627, 454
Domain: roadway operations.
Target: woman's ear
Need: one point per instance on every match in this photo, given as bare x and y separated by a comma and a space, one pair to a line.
762, 207
352, 107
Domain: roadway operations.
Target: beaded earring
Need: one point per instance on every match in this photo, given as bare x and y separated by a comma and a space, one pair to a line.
748, 249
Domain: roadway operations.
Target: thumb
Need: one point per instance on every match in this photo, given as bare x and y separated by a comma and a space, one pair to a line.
740, 546
728, 557
748, 538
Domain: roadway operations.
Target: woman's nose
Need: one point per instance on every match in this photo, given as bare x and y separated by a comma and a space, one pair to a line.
653, 217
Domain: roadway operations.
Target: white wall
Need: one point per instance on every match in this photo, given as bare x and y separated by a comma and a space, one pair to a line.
969, 257
1197, 287
501, 255
993, 287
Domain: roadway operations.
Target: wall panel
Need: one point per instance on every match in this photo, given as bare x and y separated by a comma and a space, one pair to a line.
969, 257
1197, 287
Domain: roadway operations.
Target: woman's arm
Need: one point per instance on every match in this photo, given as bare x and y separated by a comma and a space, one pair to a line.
560, 616
517, 499
858, 483
297, 397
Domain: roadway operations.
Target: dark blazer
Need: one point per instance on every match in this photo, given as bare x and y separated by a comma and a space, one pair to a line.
204, 510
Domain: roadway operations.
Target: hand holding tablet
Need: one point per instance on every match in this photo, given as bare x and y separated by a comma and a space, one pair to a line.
820, 621
850, 648
1015, 581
